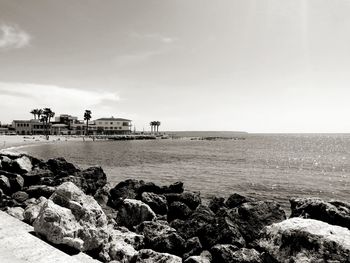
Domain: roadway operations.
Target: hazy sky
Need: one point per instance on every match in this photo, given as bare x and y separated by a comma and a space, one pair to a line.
256, 66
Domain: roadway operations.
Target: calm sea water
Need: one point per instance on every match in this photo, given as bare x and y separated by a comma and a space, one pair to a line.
265, 166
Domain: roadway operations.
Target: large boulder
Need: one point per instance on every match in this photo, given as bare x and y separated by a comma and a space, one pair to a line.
193, 247
5, 185
160, 237
22, 165
133, 212
20, 196
16, 182
122, 245
16, 212
36, 191
39, 176
333, 212
178, 210
102, 194
235, 200
305, 240
191, 199
60, 167
150, 256
252, 217
31, 212
230, 254
177, 187
72, 218
158, 203
204, 257
216, 203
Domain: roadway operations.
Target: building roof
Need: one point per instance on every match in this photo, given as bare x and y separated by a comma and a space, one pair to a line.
112, 119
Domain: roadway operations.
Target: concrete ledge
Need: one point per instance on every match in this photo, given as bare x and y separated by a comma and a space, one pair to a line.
18, 245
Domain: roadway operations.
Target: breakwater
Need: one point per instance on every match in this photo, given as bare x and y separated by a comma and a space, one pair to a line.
140, 221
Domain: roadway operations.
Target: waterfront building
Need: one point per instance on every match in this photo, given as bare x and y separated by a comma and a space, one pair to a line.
111, 126
29, 127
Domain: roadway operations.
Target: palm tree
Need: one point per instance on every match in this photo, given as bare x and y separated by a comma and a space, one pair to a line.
87, 117
46, 116
39, 113
157, 123
34, 112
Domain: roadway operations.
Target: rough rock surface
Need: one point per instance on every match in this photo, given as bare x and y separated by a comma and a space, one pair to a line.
37, 191
333, 212
39, 176
158, 203
160, 237
204, 257
235, 200
150, 256
32, 211
193, 247
60, 167
178, 210
72, 218
191, 199
216, 203
252, 217
22, 165
133, 212
306, 240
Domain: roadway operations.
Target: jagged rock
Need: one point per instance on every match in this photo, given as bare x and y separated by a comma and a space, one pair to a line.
252, 217
235, 200
16, 182
133, 212
37, 191
160, 237
16, 212
150, 256
305, 240
333, 212
201, 217
191, 199
122, 245
102, 194
193, 247
32, 211
72, 218
5, 184
60, 167
216, 203
231, 254
204, 257
157, 202
178, 210
22, 165
20, 196
177, 187
6, 163
39, 176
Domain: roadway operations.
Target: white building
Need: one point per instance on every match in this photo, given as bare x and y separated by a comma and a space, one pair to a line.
111, 126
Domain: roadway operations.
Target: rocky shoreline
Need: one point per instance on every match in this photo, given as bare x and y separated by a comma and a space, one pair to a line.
136, 221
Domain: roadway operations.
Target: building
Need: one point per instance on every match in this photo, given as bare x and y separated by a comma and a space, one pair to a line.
111, 126
29, 127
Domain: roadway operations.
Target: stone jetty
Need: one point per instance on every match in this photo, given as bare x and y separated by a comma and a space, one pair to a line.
76, 211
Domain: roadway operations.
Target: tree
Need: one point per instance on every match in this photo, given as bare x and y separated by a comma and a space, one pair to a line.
157, 123
39, 113
46, 116
34, 112
87, 117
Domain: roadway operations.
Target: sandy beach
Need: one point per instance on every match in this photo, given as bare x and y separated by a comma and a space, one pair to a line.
14, 142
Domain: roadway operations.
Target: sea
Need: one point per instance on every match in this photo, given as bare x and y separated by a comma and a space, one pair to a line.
263, 166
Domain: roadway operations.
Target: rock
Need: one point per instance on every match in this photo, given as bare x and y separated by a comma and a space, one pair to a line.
16, 182
178, 210
150, 256
6, 163
222, 231
133, 212
216, 203
334, 212
201, 217
177, 187
305, 240
252, 217
229, 253
191, 199
16, 212
160, 237
235, 200
20, 196
122, 233
158, 203
60, 167
39, 176
102, 195
204, 257
193, 247
37, 191
5, 184
93, 179
31, 212
22, 165
72, 218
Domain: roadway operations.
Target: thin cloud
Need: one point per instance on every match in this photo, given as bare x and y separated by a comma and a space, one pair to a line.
13, 37
155, 37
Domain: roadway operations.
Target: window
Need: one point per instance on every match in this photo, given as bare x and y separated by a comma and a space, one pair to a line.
111, 123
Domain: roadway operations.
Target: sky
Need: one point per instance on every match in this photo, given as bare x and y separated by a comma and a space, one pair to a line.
264, 66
